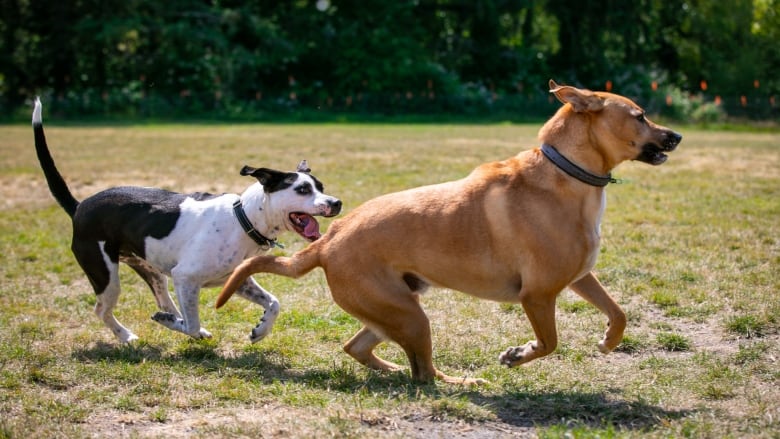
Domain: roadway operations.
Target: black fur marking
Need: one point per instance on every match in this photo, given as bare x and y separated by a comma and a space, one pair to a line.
280, 182
318, 184
164, 317
90, 259
54, 179
304, 189
124, 216
271, 180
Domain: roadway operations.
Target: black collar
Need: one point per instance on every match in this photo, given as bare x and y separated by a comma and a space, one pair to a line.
250, 229
573, 170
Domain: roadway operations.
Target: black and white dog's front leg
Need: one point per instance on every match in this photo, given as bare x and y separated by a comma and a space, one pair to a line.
253, 292
187, 292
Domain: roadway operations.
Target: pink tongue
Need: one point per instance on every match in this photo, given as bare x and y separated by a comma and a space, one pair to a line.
311, 229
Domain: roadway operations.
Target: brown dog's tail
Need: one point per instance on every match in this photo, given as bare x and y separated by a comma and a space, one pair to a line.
295, 266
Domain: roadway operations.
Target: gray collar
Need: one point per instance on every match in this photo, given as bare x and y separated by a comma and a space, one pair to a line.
250, 229
573, 170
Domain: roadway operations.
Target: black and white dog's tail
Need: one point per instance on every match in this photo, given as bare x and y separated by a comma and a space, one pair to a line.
56, 183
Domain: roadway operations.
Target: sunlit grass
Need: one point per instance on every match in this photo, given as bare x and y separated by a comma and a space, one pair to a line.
690, 251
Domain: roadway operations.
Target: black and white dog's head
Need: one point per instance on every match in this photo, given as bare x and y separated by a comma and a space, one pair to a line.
298, 195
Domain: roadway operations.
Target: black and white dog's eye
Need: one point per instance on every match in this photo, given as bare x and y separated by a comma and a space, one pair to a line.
304, 189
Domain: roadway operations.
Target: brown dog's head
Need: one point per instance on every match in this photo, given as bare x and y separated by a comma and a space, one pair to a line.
615, 126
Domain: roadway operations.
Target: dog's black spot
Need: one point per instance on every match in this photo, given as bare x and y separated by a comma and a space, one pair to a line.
271, 179
123, 217
90, 259
318, 184
414, 283
164, 317
304, 189
280, 182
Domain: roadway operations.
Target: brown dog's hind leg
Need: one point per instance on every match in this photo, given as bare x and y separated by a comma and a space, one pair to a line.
541, 314
404, 322
590, 289
361, 348
397, 317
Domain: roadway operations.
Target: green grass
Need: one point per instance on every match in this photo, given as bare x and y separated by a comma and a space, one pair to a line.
673, 342
690, 250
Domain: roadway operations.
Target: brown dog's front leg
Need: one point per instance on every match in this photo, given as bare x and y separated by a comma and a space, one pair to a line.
541, 314
591, 290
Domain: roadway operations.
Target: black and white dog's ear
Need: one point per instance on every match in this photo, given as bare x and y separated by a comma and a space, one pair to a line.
271, 180
247, 170
303, 166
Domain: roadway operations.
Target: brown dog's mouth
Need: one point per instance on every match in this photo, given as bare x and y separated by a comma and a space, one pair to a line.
305, 225
652, 154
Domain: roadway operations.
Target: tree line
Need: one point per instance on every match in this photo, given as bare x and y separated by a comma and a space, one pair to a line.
230, 57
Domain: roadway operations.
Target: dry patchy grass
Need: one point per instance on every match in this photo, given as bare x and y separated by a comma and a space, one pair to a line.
690, 250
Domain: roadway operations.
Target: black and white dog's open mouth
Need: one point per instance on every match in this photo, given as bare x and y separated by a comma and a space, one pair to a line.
305, 225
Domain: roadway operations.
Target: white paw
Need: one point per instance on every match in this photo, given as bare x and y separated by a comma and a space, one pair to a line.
260, 332
128, 338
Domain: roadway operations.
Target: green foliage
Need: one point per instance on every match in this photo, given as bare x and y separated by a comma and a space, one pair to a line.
251, 60
708, 113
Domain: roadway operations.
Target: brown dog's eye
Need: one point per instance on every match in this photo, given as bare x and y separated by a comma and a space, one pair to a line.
641, 117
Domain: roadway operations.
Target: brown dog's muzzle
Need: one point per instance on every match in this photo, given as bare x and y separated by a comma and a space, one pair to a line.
653, 153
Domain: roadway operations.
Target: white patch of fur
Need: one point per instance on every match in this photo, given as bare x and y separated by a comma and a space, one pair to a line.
106, 301
37, 119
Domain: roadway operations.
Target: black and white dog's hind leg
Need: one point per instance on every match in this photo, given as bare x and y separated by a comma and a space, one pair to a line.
188, 294
103, 274
253, 292
157, 281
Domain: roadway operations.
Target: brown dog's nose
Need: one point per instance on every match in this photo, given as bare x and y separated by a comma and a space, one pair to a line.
672, 140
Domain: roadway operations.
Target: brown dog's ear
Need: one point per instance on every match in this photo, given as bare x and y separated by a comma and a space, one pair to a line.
580, 99
303, 166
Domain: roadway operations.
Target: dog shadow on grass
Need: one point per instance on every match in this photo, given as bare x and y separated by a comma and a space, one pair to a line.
202, 354
517, 407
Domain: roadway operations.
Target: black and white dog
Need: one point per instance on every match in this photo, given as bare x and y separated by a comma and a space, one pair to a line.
196, 239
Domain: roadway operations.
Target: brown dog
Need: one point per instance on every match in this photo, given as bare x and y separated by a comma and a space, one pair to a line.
517, 230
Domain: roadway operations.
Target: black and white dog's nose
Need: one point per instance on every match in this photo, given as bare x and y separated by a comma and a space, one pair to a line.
335, 207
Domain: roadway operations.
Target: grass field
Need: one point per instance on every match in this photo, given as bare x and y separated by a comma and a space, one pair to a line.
691, 251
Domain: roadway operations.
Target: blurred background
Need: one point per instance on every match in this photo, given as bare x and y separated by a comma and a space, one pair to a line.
695, 60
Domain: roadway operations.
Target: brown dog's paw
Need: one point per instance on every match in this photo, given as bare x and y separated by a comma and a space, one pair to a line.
463, 381
606, 346
516, 355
